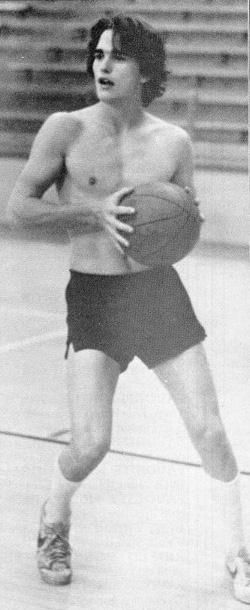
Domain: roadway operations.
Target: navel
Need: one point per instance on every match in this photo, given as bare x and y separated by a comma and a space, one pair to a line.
92, 180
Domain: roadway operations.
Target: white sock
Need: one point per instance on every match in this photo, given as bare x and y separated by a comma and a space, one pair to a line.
57, 507
229, 496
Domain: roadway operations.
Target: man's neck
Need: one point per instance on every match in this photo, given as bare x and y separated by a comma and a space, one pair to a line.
121, 117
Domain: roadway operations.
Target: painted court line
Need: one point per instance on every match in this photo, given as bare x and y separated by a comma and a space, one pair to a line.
9, 347
144, 456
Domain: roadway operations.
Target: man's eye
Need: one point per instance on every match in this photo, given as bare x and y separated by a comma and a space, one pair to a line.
98, 55
119, 56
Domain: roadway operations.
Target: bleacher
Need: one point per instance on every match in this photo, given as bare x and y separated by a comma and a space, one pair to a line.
42, 69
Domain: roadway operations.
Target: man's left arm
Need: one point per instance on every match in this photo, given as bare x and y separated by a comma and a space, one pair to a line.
184, 174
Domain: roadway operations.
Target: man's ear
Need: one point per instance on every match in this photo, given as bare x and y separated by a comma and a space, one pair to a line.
144, 79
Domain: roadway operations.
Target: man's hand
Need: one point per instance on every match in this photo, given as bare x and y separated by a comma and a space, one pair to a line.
196, 201
112, 224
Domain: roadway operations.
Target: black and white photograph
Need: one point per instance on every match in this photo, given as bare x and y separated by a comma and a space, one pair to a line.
124, 304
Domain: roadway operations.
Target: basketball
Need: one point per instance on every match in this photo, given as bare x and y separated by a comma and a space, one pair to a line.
166, 223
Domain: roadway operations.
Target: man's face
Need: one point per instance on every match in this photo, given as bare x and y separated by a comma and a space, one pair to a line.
116, 75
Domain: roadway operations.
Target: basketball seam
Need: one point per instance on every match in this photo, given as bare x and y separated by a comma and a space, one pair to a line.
151, 222
141, 224
161, 199
171, 240
188, 212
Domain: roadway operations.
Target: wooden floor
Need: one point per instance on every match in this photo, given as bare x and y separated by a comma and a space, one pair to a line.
146, 534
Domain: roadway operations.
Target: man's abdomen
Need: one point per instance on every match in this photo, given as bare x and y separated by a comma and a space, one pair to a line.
96, 253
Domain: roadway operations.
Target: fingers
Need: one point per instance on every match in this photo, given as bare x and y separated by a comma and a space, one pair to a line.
118, 224
124, 192
122, 226
123, 209
118, 239
120, 195
115, 229
196, 202
189, 191
114, 223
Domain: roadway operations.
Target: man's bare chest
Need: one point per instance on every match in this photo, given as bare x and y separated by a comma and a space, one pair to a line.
109, 163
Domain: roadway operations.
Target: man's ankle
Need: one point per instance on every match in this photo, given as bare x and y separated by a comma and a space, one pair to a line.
55, 512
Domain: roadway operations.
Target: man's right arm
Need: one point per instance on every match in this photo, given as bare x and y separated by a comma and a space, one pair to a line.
26, 206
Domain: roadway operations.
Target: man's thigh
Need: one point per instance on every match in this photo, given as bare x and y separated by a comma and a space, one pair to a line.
91, 379
188, 379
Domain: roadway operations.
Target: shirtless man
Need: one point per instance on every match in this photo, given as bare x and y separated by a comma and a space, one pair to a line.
95, 156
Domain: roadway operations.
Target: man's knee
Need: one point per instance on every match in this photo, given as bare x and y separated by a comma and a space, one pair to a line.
94, 448
82, 456
210, 435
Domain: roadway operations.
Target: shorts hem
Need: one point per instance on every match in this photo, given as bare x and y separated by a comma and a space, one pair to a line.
149, 363
174, 353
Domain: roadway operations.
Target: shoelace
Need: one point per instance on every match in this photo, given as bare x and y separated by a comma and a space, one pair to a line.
57, 543
58, 547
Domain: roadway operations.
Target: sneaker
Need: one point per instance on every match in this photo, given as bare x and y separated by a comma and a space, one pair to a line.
239, 569
54, 552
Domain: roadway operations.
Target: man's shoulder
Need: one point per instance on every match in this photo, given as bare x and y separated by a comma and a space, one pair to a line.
71, 122
62, 123
168, 130
60, 129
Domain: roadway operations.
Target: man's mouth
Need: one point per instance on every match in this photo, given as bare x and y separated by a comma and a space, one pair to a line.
105, 82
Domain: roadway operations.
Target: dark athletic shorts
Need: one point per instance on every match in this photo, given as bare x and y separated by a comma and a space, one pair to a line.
146, 314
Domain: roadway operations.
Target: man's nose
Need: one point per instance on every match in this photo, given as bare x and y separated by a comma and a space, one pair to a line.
106, 64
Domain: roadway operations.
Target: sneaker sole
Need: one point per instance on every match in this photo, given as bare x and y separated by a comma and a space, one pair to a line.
238, 597
56, 580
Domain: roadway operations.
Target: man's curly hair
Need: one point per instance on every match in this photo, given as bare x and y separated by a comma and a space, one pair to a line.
138, 41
